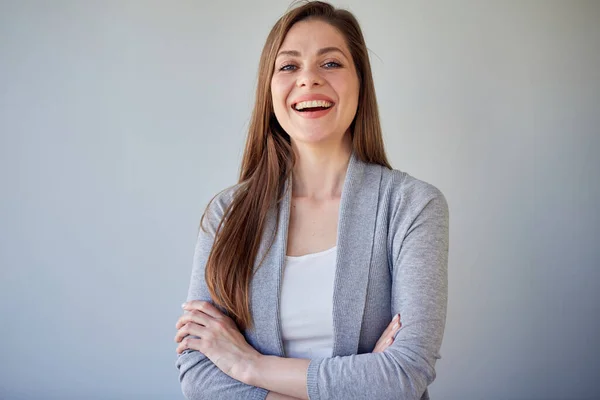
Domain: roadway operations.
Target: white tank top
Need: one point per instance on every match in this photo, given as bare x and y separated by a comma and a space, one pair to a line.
307, 304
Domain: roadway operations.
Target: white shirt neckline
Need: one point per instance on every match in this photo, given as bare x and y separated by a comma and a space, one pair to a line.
311, 255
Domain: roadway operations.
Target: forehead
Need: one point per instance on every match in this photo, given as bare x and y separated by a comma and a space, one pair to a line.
309, 36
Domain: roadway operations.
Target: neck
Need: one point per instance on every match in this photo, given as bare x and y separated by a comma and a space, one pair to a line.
320, 170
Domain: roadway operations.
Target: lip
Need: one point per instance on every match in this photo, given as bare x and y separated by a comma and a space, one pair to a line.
312, 114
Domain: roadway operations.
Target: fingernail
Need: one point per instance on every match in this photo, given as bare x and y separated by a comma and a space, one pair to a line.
396, 317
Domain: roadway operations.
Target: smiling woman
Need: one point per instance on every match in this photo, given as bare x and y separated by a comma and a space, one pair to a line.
323, 273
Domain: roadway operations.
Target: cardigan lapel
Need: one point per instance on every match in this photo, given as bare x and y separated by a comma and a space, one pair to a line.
266, 283
356, 231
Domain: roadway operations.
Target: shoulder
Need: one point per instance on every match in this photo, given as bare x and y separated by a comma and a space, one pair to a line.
408, 196
405, 186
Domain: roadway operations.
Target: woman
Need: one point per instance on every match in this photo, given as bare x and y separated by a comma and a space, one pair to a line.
300, 267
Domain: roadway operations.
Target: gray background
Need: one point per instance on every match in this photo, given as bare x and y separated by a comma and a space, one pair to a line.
120, 119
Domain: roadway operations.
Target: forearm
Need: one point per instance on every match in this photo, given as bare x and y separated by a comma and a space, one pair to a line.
285, 376
201, 379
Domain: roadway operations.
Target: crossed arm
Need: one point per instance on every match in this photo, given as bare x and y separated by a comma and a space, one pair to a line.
223, 344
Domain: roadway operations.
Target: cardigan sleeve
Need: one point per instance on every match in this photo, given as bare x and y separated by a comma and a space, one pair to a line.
419, 294
199, 377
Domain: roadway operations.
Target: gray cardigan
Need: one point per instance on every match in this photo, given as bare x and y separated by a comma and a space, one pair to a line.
392, 258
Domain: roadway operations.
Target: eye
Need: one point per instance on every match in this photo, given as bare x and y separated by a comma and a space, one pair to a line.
332, 64
288, 67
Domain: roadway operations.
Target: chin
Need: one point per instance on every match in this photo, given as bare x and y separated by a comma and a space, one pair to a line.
313, 137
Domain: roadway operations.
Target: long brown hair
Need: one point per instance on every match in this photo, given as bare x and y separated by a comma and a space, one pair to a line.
268, 161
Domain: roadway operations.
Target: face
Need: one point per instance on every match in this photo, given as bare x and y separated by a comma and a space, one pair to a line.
314, 86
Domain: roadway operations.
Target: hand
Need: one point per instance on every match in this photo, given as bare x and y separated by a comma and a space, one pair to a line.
218, 338
387, 338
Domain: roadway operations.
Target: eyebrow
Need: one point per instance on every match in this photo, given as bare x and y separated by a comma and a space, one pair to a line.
324, 50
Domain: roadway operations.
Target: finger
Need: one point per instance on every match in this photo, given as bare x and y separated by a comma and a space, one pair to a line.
390, 327
395, 328
382, 344
386, 343
379, 346
204, 306
387, 337
195, 316
189, 329
189, 343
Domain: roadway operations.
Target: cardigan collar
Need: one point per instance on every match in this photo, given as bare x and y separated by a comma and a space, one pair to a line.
355, 234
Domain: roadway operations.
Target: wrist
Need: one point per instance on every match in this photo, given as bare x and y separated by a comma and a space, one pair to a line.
251, 370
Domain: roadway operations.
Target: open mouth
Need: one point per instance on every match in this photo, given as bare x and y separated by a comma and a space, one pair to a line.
312, 105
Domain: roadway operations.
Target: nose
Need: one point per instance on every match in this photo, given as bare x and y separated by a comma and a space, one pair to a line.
309, 78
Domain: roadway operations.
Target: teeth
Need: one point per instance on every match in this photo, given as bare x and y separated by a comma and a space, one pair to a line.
312, 103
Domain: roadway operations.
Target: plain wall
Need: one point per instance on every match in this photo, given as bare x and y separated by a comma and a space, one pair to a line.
119, 120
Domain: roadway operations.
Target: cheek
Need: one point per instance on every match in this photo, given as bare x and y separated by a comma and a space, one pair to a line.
279, 95
347, 88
